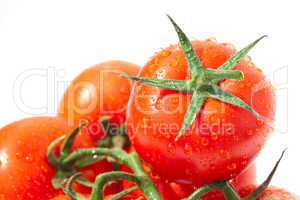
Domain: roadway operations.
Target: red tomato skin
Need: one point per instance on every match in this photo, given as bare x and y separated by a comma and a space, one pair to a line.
244, 180
24, 169
91, 173
203, 154
162, 186
61, 197
97, 92
174, 191
271, 193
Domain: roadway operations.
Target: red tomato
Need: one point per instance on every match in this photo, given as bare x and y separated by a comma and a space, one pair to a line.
270, 193
276, 193
24, 169
223, 139
98, 92
175, 191
245, 179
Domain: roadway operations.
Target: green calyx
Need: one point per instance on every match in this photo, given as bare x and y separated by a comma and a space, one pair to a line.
204, 83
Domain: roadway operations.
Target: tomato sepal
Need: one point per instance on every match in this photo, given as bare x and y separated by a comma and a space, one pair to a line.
204, 82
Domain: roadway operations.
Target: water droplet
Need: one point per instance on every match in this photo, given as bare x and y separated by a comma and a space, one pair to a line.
250, 132
214, 136
188, 172
204, 141
212, 166
165, 53
244, 163
171, 148
174, 63
259, 122
3, 158
188, 150
29, 158
232, 166
251, 64
160, 74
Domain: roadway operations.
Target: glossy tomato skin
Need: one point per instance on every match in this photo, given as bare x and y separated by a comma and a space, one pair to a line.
163, 187
97, 92
174, 191
61, 197
271, 193
24, 169
244, 180
222, 141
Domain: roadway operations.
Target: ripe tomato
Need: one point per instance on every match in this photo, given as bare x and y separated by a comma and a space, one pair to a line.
175, 191
245, 179
223, 139
98, 92
24, 169
276, 193
270, 193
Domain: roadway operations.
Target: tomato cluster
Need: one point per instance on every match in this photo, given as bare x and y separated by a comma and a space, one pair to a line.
196, 115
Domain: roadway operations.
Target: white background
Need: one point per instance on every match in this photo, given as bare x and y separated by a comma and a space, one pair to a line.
72, 35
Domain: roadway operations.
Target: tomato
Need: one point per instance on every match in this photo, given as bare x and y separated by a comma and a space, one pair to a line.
98, 92
271, 193
24, 169
276, 193
245, 179
175, 191
222, 140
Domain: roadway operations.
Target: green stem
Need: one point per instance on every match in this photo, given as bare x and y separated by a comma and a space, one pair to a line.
205, 189
103, 179
224, 186
145, 183
52, 158
117, 154
229, 192
122, 194
69, 189
132, 160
